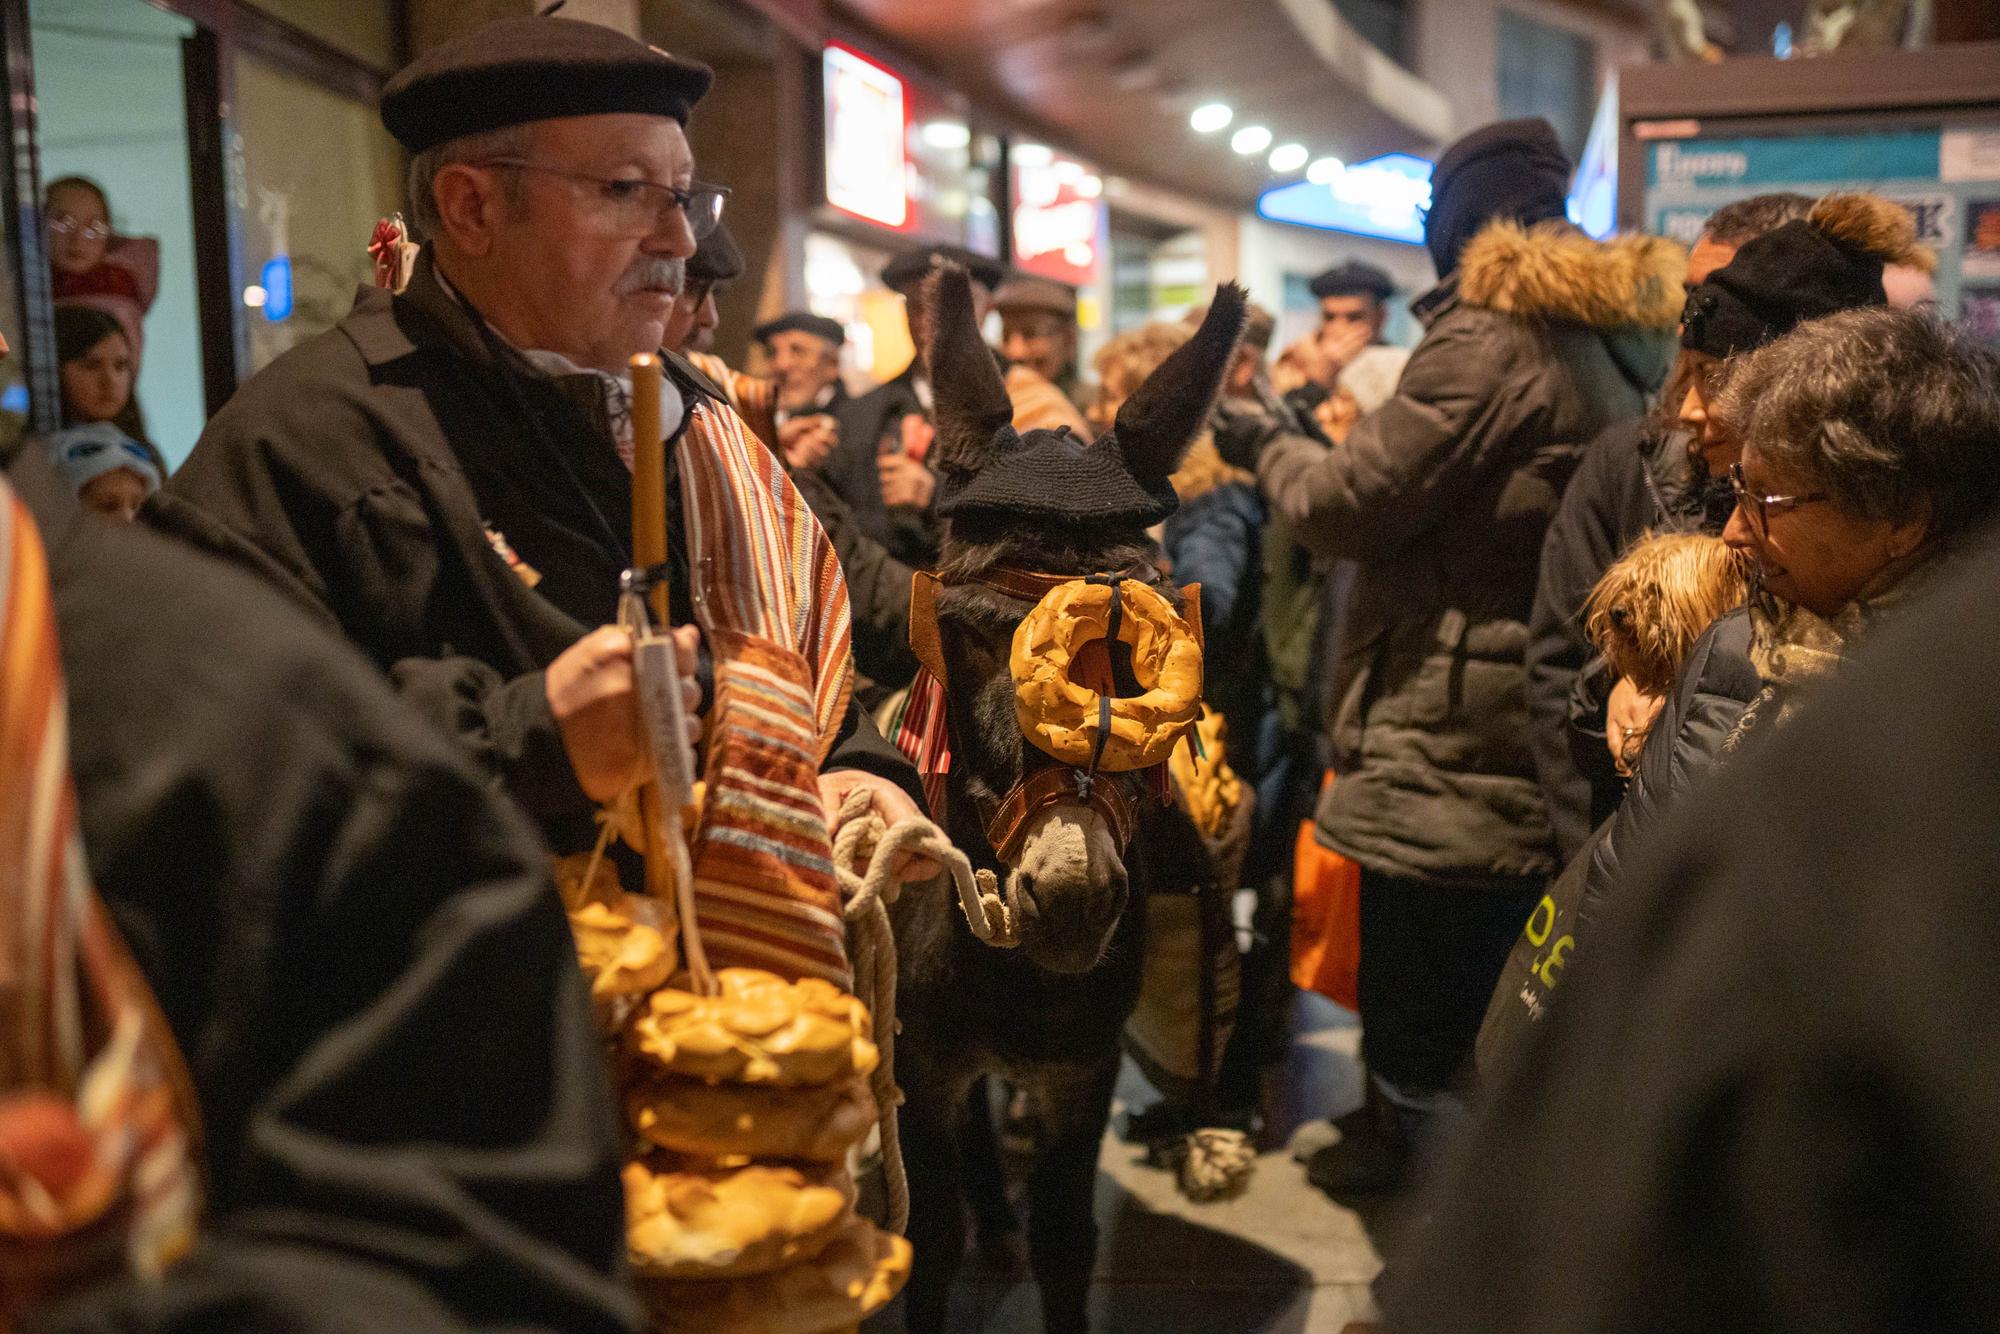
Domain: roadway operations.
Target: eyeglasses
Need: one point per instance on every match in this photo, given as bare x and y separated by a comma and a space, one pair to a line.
639, 206
62, 224
1758, 508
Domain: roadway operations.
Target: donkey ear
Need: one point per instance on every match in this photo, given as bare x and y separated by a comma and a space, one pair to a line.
1162, 417
972, 403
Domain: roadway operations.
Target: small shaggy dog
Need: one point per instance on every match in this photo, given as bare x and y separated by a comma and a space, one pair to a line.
1649, 608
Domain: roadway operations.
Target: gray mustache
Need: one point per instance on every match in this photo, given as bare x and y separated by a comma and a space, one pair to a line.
670, 274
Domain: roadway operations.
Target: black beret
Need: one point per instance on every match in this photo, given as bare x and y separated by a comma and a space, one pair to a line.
1036, 294
513, 71
908, 269
1775, 283
801, 321
716, 258
1354, 278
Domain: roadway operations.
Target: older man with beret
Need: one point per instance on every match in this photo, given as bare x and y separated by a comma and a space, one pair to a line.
446, 475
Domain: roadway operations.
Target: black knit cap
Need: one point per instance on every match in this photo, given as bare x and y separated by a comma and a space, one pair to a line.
907, 270
716, 257
1513, 169
987, 470
1775, 283
1354, 278
513, 71
801, 321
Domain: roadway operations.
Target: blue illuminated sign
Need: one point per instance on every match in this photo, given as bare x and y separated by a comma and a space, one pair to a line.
276, 280
1383, 197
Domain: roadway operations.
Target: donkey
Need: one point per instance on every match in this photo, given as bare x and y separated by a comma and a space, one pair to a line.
1022, 514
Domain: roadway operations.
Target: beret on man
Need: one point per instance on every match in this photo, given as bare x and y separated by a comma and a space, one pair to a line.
801, 321
716, 257
1036, 294
1354, 278
907, 270
513, 71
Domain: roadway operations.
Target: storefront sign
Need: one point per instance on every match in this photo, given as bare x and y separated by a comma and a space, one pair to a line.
1059, 215
867, 168
1383, 197
1939, 173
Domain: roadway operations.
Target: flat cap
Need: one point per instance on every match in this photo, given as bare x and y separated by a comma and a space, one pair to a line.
1038, 294
907, 270
513, 71
716, 258
1354, 278
801, 321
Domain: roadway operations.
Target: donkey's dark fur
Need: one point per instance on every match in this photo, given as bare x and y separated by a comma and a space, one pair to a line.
1046, 1016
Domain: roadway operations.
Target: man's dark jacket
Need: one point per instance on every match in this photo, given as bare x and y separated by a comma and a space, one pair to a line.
911, 537
1443, 495
406, 1122
406, 477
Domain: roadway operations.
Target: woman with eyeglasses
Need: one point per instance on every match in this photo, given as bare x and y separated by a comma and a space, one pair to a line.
90, 265
1828, 262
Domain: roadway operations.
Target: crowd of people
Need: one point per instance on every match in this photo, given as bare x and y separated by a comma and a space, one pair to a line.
1530, 623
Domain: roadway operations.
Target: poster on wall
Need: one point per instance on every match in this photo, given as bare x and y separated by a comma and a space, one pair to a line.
1947, 174
866, 165
1060, 221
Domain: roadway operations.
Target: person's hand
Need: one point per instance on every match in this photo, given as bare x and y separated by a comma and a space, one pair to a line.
804, 442
905, 481
1628, 716
915, 434
1339, 345
886, 800
1306, 360
592, 692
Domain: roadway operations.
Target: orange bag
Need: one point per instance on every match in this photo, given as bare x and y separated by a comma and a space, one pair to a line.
1326, 919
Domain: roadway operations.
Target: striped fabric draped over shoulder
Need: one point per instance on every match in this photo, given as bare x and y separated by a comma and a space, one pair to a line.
97, 1120
773, 607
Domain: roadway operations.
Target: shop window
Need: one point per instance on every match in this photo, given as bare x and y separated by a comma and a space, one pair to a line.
306, 216
1549, 71
111, 108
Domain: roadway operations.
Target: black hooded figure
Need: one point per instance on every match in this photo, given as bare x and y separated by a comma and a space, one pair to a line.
1023, 511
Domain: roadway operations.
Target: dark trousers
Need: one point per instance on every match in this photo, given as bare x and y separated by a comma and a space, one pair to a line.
1430, 957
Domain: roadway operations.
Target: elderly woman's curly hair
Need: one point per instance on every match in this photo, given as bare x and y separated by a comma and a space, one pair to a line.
1893, 413
1651, 606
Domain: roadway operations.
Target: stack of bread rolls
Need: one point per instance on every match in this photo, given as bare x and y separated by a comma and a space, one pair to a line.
744, 1108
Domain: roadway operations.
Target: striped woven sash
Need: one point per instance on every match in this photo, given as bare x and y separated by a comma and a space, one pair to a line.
96, 1121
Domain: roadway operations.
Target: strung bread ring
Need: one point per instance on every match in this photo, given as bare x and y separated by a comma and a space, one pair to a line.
853, 1278
622, 948
1062, 717
689, 1116
714, 1222
761, 1029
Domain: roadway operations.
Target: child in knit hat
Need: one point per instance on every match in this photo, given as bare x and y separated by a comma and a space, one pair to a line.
112, 473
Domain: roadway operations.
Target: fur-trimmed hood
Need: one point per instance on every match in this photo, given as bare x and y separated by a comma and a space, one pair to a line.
1552, 271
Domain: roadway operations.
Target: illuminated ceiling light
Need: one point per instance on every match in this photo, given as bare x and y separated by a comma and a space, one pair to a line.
1089, 187
1250, 140
255, 297
1325, 171
947, 134
1210, 117
1287, 158
1033, 156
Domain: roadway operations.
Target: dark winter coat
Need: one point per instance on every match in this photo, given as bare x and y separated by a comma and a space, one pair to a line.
1443, 495
1215, 539
1632, 479
458, 516
406, 1123
1717, 683
1768, 1101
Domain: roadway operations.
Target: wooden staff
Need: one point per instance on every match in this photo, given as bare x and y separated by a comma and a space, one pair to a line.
649, 479
649, 550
